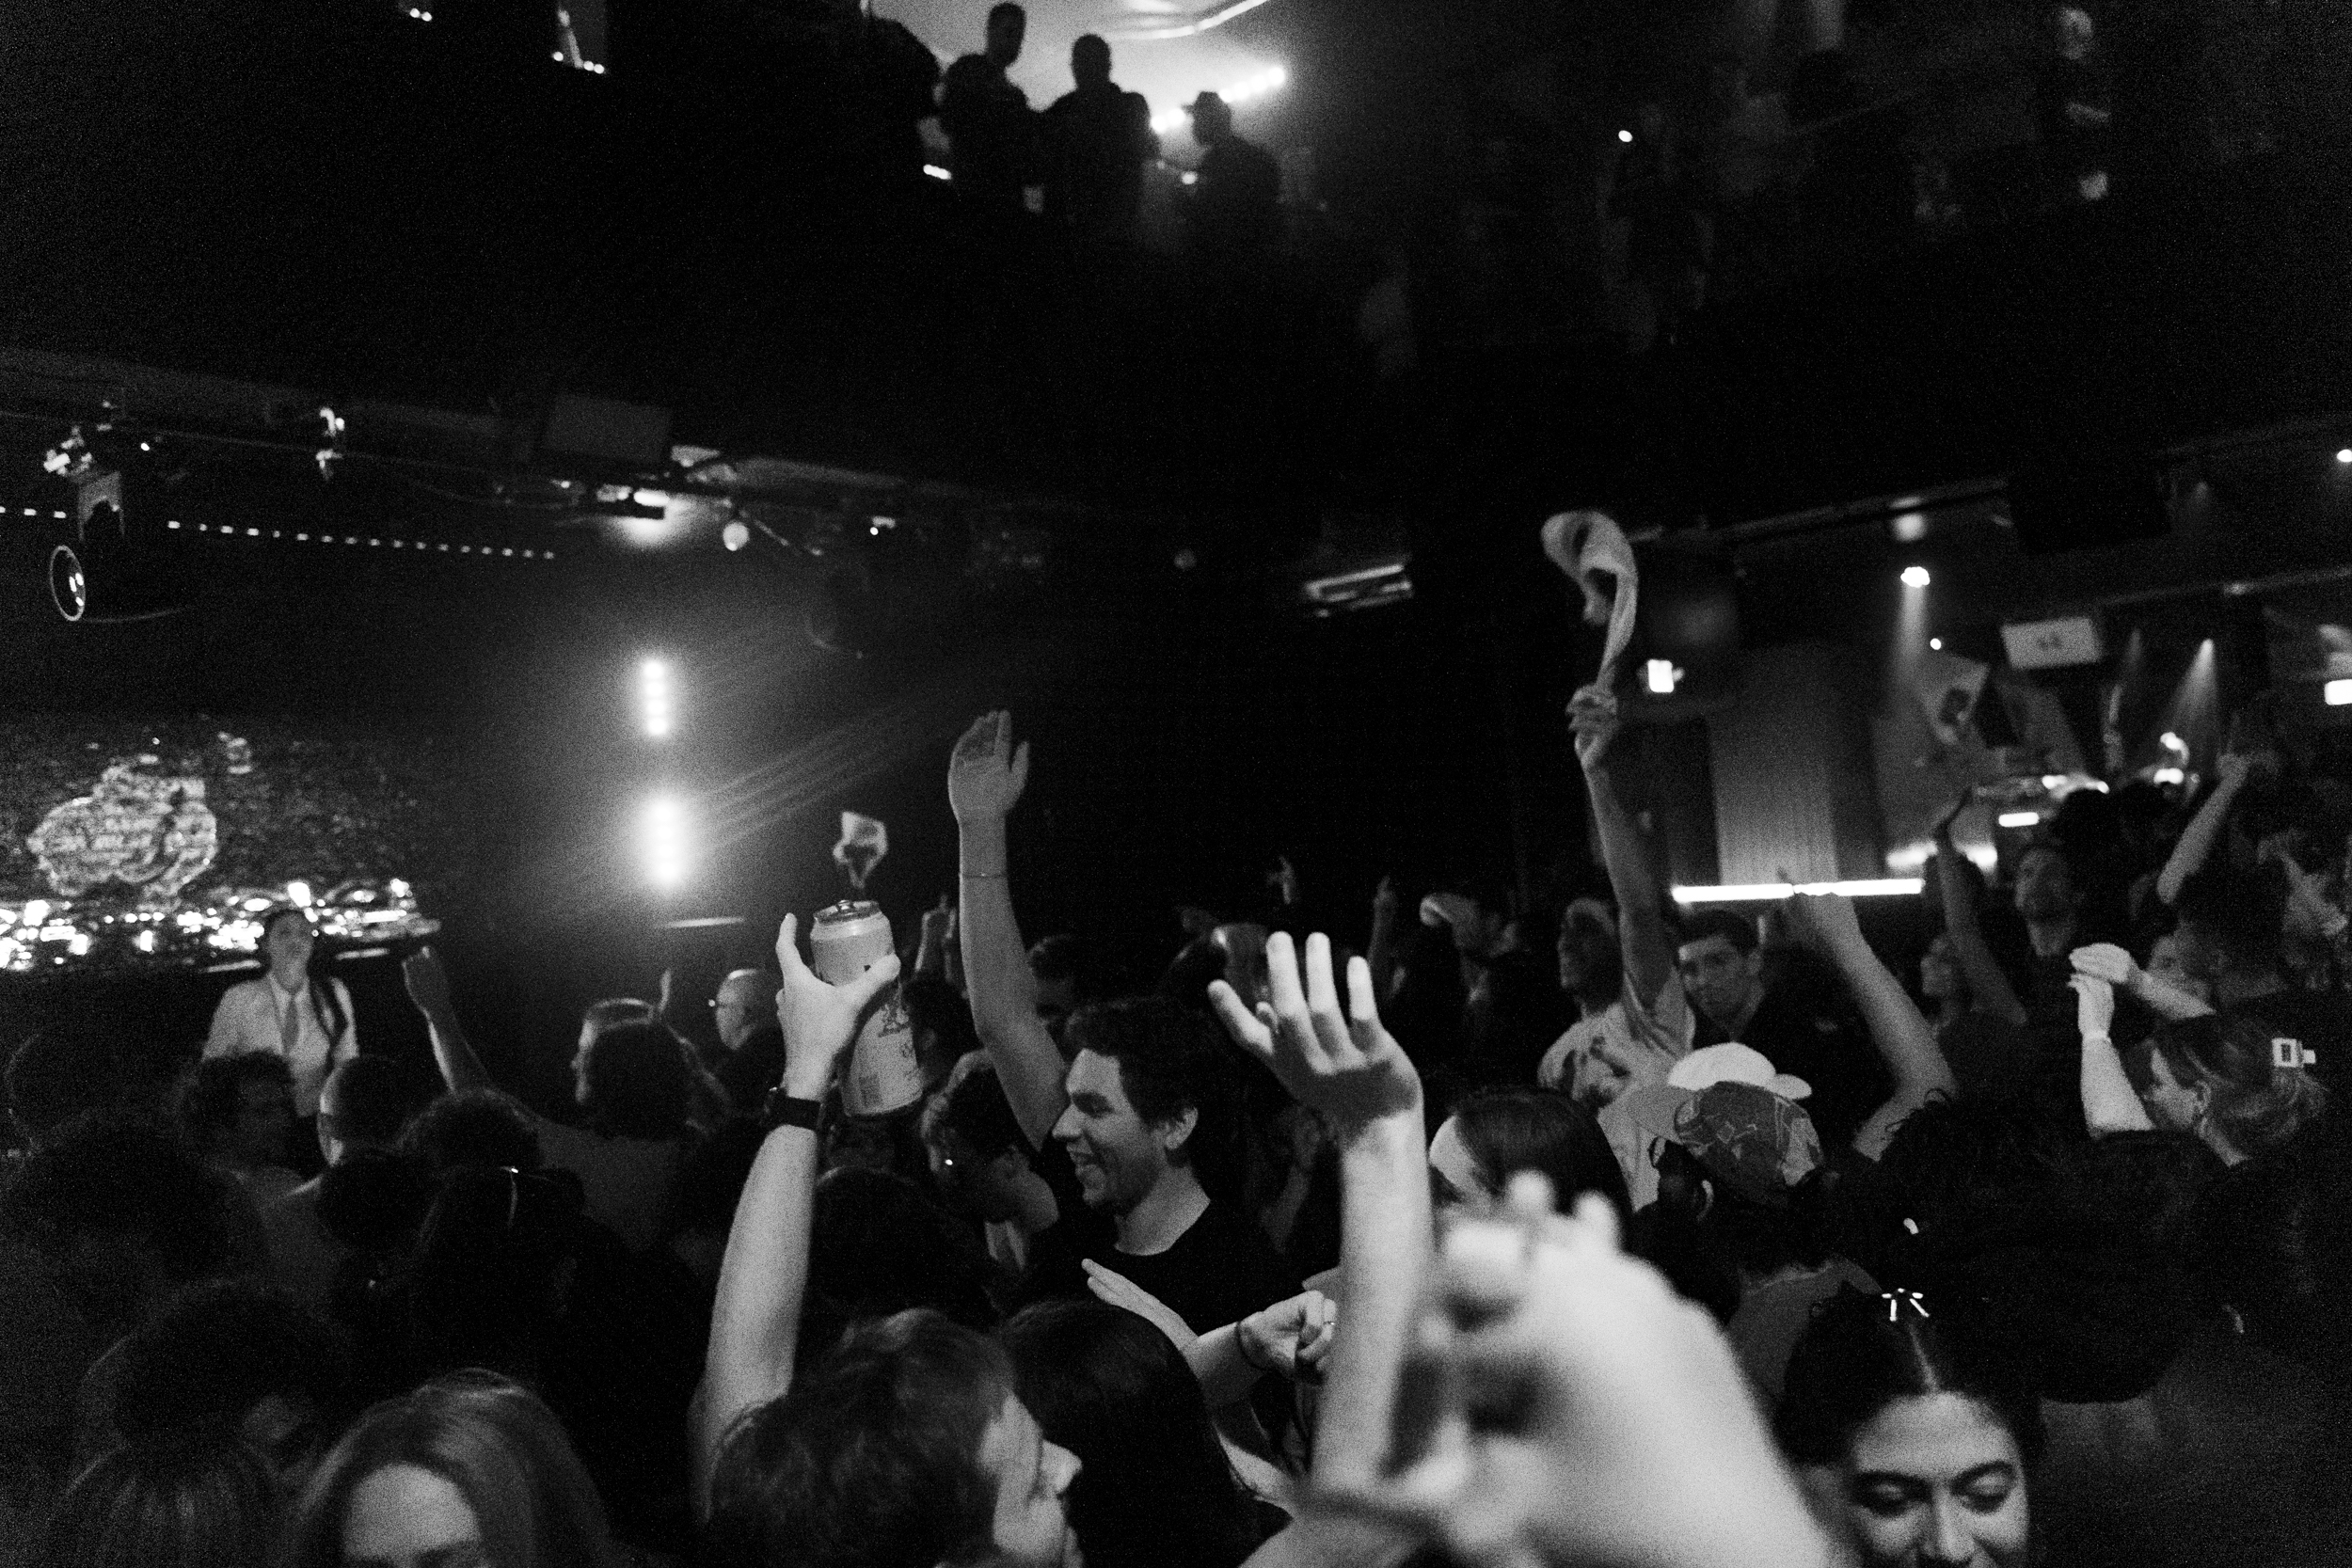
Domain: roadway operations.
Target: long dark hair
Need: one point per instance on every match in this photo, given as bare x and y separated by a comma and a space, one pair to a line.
1861, 1353
1155, 1488
1509, 1131
326, 1004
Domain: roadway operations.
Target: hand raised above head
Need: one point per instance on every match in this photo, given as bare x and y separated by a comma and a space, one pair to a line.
2104, 961
1347, 1067
1821, 920
1291, 1337
2094, 1005
1592, 715
819, 1020
427, 982
987, 773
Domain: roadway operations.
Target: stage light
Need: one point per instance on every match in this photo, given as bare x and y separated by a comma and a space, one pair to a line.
656, 699
1659, 674
1910, 527
1914, 577
736, 535
298, 895
936, 172
2172, 741
1937, 644
1768, 893
2021, 819
1626, 136
663, 825
2338, 694
2344, 455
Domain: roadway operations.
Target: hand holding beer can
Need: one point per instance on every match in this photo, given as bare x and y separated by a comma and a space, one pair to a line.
845, 940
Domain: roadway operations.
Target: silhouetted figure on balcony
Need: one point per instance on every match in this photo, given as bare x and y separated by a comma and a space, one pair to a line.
1098, 138
989, 126
1236, 199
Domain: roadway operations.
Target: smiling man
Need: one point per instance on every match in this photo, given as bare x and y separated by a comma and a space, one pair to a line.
1145, 1109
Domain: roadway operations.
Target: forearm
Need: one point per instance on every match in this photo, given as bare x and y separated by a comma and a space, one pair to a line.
1002, 990
1225, 1375
1384, 1243
2167, 1002
755, 1320
2110, 1104
1649, 957
461, 1069
1989, 988
2196, 846
1903, 1038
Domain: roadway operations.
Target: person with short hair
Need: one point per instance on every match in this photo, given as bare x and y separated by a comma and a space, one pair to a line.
1236, 203
362, 1108
992, 133
1098, 136
1140, 1107
744, 1014
178, 1503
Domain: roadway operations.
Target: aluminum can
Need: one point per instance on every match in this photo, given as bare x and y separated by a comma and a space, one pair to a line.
884, 1075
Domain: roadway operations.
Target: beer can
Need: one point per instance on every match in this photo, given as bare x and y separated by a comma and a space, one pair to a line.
845, 940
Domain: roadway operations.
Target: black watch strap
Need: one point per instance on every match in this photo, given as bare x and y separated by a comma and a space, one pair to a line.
786, 1110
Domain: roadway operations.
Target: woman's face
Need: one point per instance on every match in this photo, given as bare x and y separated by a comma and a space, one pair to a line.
1031, 1527
288, 945
1934, 1480
406, 1517
2171, 1104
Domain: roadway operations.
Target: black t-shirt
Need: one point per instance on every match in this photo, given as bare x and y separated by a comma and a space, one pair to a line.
1820, 1045
1220, 1270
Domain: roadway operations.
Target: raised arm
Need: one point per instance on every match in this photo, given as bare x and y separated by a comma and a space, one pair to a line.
985, 778
756, 1319
2103, 960
2110, 1104
1905, 1044
2204, 830
1649, 956
1988, 990
1349, 1069
428, 988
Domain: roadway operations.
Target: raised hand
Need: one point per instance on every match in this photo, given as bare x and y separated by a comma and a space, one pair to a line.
987, 772
1124, 1294
819, 1020
1821, 921
2094, 1006
2105, 961
1346, 1066
1592, 715
427, 982
1584, 1393
1291, 1337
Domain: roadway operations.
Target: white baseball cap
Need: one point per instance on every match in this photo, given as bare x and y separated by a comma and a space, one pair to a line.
1734, 1063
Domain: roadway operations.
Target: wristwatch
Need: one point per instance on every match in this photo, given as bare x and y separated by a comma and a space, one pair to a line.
789, 1110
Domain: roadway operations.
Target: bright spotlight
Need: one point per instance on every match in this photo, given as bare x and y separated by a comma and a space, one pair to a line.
1660, 675
2344, 455
1626, 136
736, 534
1914, 577
663, 825
2021, 819
298, 895
2339, 693
1937, 644
656, 701
2171, 740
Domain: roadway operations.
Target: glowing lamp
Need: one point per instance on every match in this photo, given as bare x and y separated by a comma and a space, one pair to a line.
1914, 577
2339, 693
2021, 819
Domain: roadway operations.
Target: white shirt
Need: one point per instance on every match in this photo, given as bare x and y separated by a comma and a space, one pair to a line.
251, 1016
1623, 1046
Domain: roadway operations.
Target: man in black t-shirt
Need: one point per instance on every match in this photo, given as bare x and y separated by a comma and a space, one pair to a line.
1144, 1102
1722, 965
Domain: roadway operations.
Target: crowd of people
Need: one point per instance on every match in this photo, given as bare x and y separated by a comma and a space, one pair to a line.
1609, 1233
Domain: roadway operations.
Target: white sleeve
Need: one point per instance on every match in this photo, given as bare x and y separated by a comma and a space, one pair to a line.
343, 1048
222, 1039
